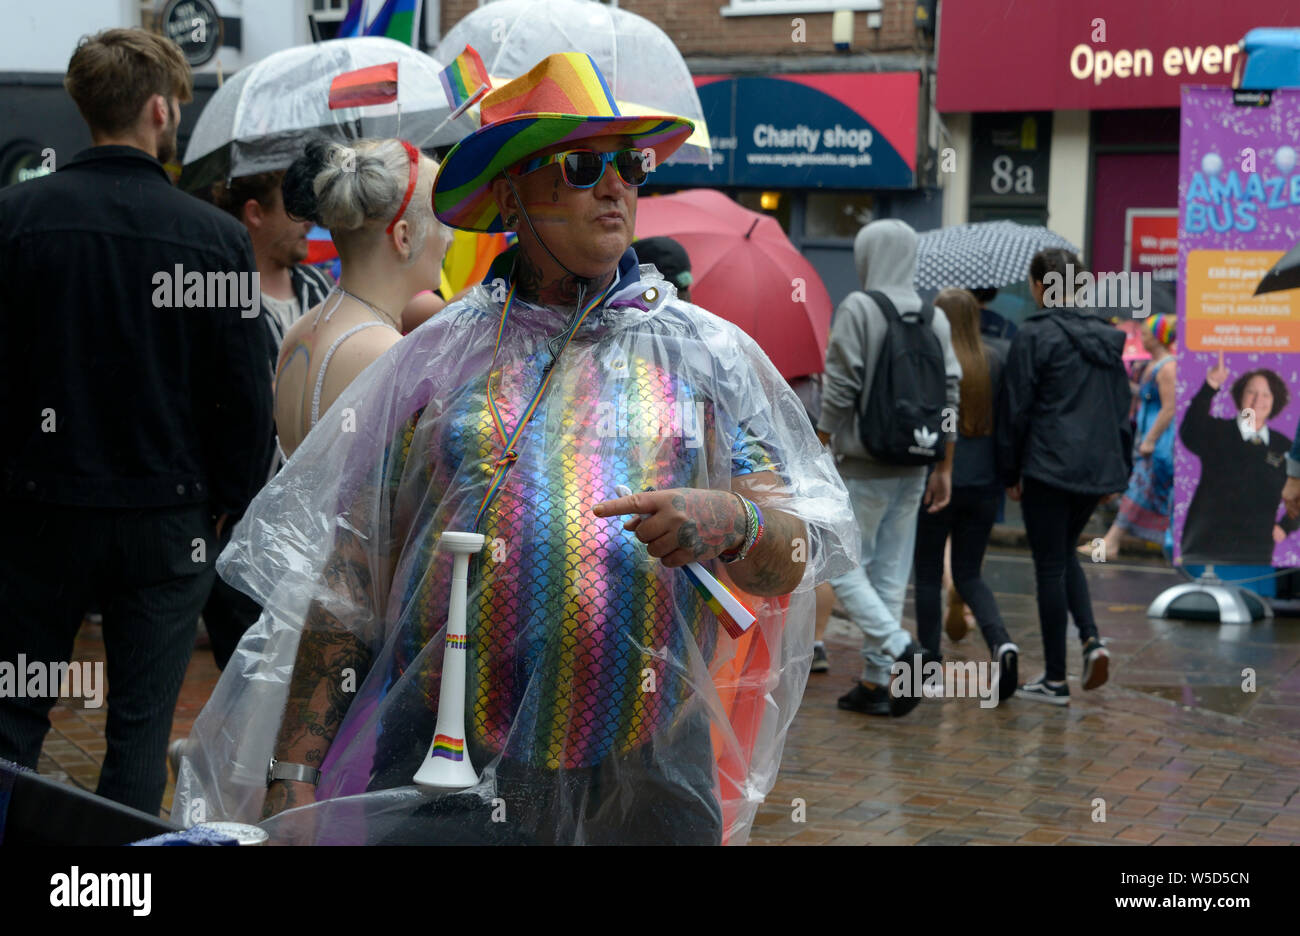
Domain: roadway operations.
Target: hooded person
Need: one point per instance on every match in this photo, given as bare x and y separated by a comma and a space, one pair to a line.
602, 701
1063, 441
670, 259
885, 496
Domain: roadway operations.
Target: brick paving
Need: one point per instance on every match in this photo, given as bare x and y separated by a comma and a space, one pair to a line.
1174, 747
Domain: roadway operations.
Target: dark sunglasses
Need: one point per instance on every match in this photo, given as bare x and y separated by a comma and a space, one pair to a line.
582, 169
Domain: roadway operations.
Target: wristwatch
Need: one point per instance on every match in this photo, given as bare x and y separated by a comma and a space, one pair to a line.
280, 770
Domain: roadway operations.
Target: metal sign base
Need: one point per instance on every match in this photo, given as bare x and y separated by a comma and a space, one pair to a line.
1209, 598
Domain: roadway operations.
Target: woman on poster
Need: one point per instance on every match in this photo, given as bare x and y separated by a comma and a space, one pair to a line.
1233, 514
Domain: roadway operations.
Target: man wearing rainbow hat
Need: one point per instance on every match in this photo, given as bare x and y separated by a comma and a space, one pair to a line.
604, 704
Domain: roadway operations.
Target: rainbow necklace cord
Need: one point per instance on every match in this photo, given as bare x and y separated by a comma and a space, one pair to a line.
508, 456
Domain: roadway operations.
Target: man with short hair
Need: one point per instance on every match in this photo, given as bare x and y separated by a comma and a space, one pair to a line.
135, 405
290, 286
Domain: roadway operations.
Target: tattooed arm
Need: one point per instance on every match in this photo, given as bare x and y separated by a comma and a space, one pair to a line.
776, 564
317, 701
694, 525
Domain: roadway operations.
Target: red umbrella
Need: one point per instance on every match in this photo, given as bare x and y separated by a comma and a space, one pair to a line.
746, 270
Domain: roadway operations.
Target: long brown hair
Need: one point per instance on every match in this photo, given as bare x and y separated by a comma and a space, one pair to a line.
963, 311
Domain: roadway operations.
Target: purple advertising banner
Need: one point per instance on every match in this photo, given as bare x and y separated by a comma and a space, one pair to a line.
1238, 379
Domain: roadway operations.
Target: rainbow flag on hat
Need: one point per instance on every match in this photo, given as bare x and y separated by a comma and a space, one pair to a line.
465, 78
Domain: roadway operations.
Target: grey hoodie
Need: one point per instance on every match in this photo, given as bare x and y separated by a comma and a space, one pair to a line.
885, 255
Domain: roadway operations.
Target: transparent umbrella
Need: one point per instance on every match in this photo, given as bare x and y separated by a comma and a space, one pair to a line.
642, 65
259, 119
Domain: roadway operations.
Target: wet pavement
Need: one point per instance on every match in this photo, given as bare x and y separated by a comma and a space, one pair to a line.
1171, 750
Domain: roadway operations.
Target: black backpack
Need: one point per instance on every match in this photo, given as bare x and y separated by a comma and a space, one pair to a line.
903, 420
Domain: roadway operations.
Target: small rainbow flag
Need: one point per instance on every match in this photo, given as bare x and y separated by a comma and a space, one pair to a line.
465, 79
364, 87
448, 747
729, 623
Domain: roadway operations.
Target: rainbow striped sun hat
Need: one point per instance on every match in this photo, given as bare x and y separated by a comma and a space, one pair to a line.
563, 99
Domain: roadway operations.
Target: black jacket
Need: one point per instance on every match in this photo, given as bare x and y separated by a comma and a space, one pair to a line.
1237, 499
1063, 405
150, 406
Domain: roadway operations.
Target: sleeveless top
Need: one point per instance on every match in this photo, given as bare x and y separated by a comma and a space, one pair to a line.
1148, 409
334, 346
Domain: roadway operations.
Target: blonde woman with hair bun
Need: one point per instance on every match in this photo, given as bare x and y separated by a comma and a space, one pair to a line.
375, 198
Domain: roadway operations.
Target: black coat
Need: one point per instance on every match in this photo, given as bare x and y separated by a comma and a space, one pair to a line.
151, 406
1063, 405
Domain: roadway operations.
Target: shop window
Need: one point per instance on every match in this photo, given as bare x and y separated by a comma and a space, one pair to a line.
329, 10
838, 215
776, 204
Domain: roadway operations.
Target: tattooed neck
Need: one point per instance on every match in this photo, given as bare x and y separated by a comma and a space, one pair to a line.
559, 291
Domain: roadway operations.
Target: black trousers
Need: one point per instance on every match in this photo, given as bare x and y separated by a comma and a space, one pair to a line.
1054, 518
969, 519
149, 576
228, 612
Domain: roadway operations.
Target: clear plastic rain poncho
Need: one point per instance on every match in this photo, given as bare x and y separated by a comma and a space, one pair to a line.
604, 703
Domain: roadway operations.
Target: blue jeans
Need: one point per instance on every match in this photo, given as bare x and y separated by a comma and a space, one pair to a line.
872, 594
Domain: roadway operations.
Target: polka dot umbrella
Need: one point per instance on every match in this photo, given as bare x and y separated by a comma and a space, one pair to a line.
982, 255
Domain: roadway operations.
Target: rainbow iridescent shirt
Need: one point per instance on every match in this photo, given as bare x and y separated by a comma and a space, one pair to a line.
580, 645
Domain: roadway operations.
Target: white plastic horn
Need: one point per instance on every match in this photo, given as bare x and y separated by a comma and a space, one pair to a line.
447, 765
